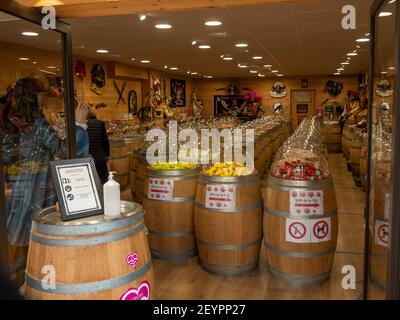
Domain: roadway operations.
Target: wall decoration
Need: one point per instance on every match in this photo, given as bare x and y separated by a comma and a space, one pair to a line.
302, 108
132, 102
278, 90
98, 79
304, 83
384, 88
178, 93
231, 90
80, 69
277, 108
120, 91
232, 105
197, 105
334, 88
252, 104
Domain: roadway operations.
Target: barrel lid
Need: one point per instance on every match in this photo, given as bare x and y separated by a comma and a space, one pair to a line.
50, 216
174, 173
226, 180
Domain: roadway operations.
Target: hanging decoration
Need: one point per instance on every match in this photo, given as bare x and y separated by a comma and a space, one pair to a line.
334, 88
278, 90
120, 92
98, 79
80, 69
132, 102
384, 88
277, 108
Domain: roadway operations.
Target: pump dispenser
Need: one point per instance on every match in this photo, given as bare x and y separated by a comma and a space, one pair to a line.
112, 196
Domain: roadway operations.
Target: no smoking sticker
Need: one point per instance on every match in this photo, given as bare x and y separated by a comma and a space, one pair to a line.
296, 231
381, 233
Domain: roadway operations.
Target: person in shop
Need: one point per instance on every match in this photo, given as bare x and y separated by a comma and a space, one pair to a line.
29, 144
99, 145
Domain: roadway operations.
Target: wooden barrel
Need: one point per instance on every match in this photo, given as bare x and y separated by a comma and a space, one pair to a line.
132, 172
355, 150
379, 232
228, 238
300, 244
332, 136
170, 222
119, 162
94, 258
141, 172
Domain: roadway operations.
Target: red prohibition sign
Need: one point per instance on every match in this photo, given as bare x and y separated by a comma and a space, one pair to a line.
383, 233
297, 230
321, 229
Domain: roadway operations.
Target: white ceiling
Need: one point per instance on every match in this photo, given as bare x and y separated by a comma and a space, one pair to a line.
297, 39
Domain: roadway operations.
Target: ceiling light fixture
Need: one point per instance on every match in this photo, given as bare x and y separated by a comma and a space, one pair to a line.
352, 54
392, 68
253, 71
392, 1
261, 75
102, 51
384, 72
267, 66
242, 65
34, 62
345, 63
194, 42
173, 68
385, 14
241, 45
193, 73
275, 71
23, 59
204, 46
209, 77
227, 58
362, 40
30, 34
337, 73
163, 26
51, 67
144, 61
165, 67
279, 75
142, 17
133, 59
340, 69
213, 23
188, 72
257, 58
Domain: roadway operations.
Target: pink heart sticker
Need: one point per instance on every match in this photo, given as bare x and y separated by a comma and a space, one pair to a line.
140, 293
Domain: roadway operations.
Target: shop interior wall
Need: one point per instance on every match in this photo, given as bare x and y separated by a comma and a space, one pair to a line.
12, 69
208, 88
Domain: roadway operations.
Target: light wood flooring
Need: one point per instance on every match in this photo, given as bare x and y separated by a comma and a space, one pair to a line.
187, 280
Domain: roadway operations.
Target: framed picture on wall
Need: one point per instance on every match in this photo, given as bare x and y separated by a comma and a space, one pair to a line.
302, 108
178, 93
232, 105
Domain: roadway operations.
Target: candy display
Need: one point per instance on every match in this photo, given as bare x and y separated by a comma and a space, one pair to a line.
173, 166
228, 169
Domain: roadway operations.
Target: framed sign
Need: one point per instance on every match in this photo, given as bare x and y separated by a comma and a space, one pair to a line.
78, 188
232, 105
178, 93
302, 108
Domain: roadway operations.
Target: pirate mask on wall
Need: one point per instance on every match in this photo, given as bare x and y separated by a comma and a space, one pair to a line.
384, 88
278, 90
98, 79
80, 69
334, 88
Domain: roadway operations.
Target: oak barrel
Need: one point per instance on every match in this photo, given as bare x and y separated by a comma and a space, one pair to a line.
228, 240
364, 161
140, 175
119, 162
332, 133
294, 252
170, 222
355, 152
94, 258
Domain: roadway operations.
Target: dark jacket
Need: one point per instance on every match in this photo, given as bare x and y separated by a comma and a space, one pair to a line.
99, 146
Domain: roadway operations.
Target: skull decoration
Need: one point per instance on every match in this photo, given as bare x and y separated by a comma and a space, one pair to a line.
334, 88
278, 90
98, 79
384, 88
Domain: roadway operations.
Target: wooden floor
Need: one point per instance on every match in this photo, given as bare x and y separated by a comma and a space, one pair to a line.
187, 280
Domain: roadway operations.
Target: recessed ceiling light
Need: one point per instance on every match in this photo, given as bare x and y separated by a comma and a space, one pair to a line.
340, 69
261, 75
352, 54
23, 59
367, 34
133, 59
51, 67
165, 67
358, 47
384, 72
209, 77
194, 42
194, 73
241, 45
163, 26
188, 72
385, 14
391, 68
227, 58
257, 58
145, 61
279, 75
275, 71
213, 23
34, 62
363, 40
240, 65
253, 71
392, 1
345, 63
102, 51
267, 66
204, 46
337, 73
173, 68
30, 34
142, 17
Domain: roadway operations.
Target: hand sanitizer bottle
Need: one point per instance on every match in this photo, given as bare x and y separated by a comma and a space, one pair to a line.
112, 197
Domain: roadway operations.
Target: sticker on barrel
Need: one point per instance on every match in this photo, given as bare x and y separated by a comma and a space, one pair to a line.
381, 233
297, 231
161, 189
306, 202
221, 197
140, 293
321, 230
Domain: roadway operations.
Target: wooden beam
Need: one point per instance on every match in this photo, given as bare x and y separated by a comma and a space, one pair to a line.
94, 8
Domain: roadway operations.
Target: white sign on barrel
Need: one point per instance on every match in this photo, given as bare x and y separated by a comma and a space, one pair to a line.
220, 196
306, 202
161, 189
